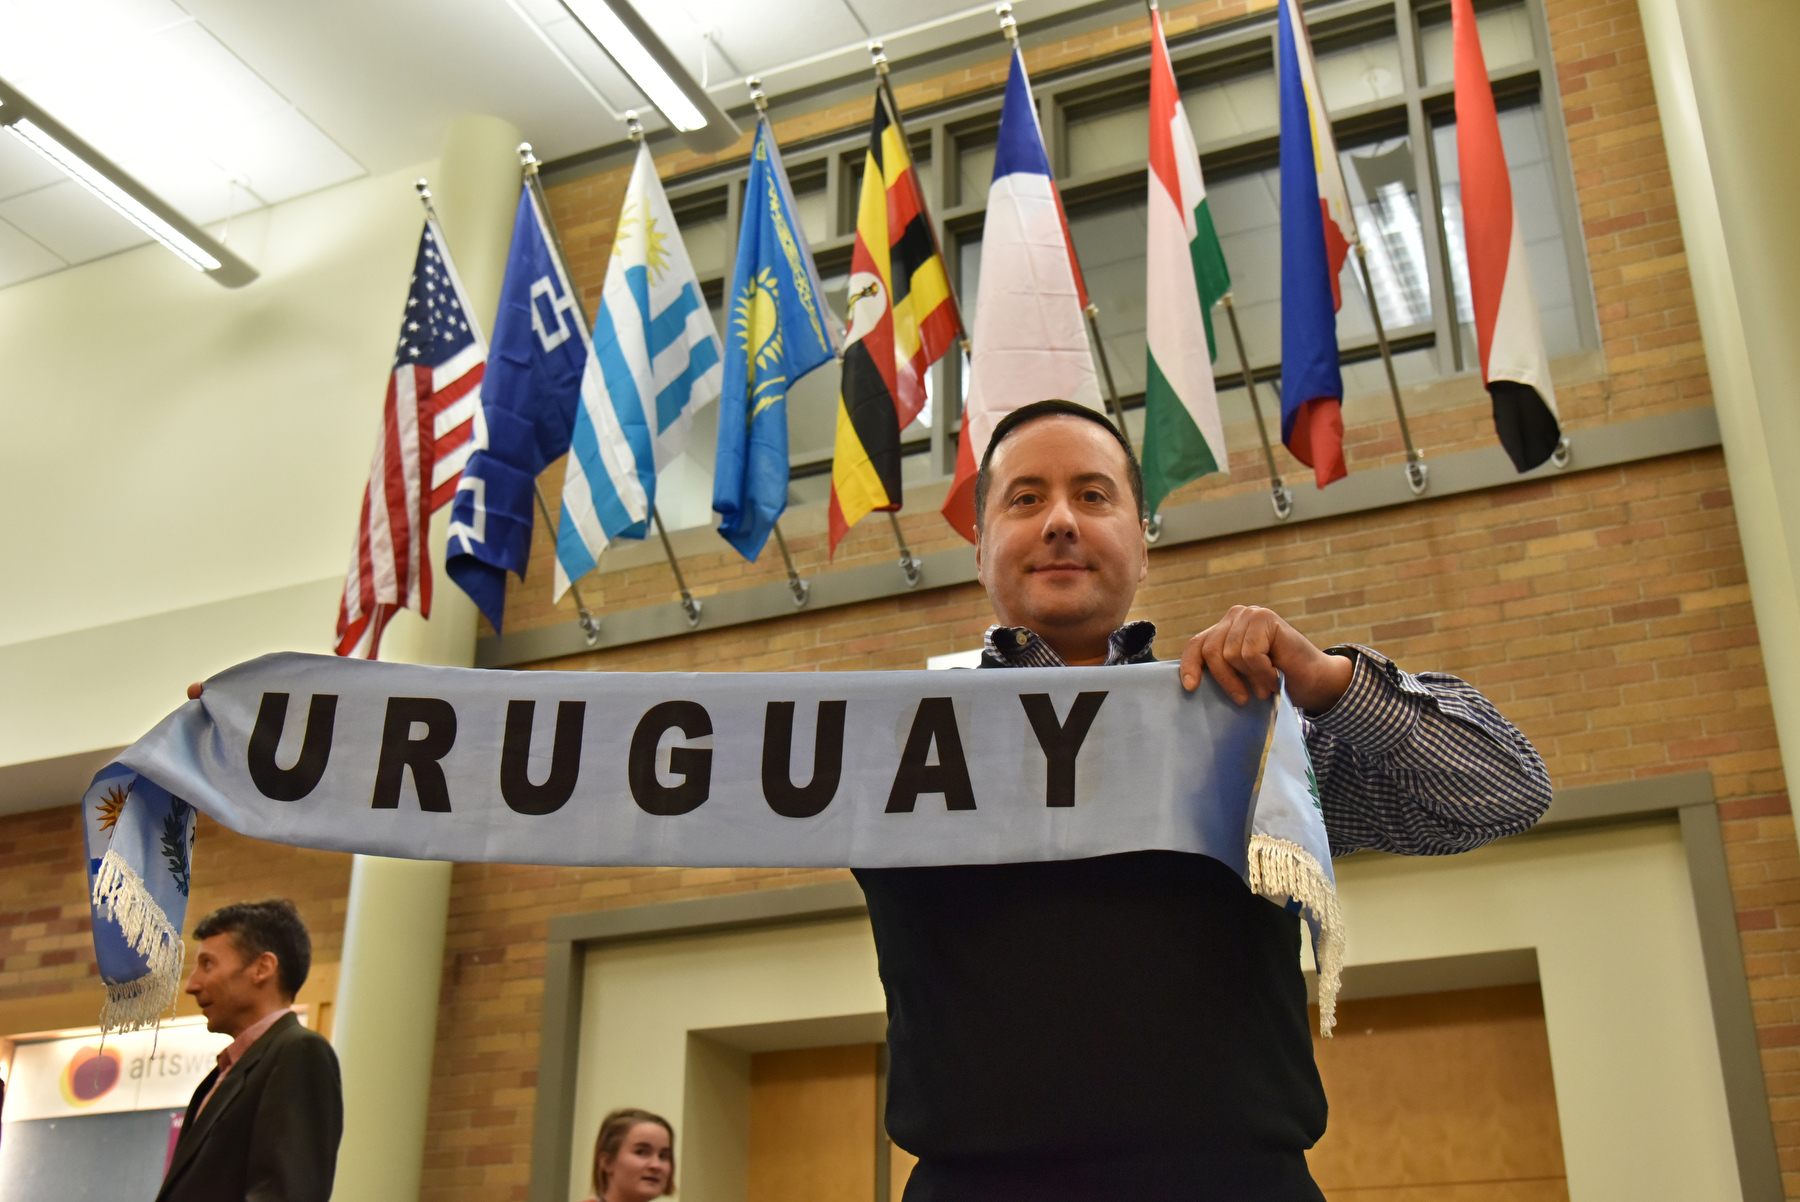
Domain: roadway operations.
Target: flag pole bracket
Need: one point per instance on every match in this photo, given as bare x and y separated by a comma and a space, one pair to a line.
1281, 497
799, 589
1559, 458
910, 567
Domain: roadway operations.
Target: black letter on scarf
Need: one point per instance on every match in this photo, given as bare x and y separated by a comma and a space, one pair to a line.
1061, 741
784, 797
400, 751
291, 784
692, 764
565, 758
935, 722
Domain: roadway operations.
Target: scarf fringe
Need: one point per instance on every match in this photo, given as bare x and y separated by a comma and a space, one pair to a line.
1280, 871
121, 895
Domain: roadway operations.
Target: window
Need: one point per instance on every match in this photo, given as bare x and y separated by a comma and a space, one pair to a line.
1385, 67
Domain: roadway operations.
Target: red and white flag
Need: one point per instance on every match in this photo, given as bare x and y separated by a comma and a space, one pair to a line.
1031, 342
1513, 363
430, 424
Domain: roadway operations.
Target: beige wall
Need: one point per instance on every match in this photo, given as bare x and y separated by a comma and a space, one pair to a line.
1640, 1096
183, 460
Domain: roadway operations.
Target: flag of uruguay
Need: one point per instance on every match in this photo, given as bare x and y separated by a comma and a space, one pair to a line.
658, 357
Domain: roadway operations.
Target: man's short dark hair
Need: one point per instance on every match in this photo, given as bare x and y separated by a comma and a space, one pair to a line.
1039, 409
265, 926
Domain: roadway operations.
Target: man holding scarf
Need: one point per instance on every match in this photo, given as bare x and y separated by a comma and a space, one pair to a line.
1135, 1026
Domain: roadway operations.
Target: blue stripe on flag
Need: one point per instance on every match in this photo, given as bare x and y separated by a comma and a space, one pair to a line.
608, 506
703, 356
627, 402
571, 552
668, 327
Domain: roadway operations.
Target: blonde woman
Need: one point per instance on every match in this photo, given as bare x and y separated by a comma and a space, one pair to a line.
634, 1157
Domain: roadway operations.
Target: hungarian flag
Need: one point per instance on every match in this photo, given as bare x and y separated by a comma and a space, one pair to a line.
902, 320
1513, 363
1030, 338
1316, 234
1183, 437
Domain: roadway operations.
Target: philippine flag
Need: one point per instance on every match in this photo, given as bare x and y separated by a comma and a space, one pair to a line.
1030, 336
1316, 234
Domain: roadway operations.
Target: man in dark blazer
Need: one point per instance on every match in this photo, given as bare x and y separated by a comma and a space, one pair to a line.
263, 1126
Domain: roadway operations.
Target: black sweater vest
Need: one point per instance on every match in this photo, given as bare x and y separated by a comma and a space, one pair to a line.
1131, 1026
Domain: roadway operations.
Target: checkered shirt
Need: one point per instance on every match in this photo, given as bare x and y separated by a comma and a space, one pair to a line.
1418, 764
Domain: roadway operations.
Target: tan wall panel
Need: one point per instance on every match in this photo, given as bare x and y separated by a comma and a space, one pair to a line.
1440, 1090
812, 1124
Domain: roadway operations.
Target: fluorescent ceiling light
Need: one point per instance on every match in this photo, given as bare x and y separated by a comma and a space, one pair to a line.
130, 199
635, 61
128, 206
657, 73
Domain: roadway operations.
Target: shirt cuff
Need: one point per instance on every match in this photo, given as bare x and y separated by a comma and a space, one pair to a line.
1375, 713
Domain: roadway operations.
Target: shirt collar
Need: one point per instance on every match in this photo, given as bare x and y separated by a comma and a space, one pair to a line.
234, 1051
1019, 647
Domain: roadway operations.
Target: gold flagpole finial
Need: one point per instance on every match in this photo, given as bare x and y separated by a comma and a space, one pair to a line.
1009, 25
757, 96
633, 127
527, 160
878, 56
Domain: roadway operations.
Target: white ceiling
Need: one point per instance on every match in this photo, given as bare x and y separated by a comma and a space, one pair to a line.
222, 106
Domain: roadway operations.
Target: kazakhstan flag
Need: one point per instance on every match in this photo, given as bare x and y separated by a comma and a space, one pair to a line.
778, 330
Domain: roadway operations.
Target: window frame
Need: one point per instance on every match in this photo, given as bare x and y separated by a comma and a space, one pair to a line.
1240, 46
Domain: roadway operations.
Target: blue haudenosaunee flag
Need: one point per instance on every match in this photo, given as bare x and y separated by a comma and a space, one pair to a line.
780, 329
140, 843
659, 363
1317, 231
538, 365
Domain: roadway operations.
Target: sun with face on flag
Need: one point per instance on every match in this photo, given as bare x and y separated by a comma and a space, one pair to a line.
754, 323
656, 254
110, 807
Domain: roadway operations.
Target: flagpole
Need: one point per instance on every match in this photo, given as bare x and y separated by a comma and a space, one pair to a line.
799, 589
1280, 496
590, 625
529, 161
1009, 26
1417, 472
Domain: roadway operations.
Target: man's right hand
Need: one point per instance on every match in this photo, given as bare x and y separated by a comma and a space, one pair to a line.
194, 691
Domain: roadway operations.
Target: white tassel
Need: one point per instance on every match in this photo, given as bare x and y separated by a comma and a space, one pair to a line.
120, 894
1280, 871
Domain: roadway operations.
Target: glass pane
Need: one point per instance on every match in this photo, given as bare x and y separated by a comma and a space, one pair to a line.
815, 212
1110, 244
1384, 198
705, 242
1540, 225
1360, 74
1245, 105
1109, 141
1369, 378
928, 182
1505, 42
974, 173
1246, 212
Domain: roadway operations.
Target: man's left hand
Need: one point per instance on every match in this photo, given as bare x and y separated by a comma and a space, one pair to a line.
1251, 648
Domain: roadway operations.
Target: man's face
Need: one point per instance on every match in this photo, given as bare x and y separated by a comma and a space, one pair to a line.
231, 992
1062, 547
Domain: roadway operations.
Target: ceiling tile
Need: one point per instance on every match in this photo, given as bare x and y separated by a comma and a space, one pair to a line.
23, 169
72, 222
22, 259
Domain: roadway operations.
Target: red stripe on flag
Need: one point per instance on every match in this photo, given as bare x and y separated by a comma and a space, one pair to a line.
1318, 439
1486, 187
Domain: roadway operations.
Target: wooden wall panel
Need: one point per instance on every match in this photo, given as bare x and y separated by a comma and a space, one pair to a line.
1446, 1096
812, 1125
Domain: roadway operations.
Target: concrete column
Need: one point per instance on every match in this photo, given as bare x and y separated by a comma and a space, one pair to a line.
387, 1003
1734, 153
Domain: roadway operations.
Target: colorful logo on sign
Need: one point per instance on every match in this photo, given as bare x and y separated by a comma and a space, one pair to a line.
90, 1075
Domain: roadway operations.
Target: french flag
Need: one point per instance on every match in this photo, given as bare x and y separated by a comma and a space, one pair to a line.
1030, 338
1513, 363
1317, 231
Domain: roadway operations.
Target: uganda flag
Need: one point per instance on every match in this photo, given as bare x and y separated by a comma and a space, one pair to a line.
902, 319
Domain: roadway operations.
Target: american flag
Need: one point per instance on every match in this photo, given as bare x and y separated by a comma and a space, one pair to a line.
430, 423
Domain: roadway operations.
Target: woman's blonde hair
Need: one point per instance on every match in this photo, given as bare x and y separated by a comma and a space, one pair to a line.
613, 1130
